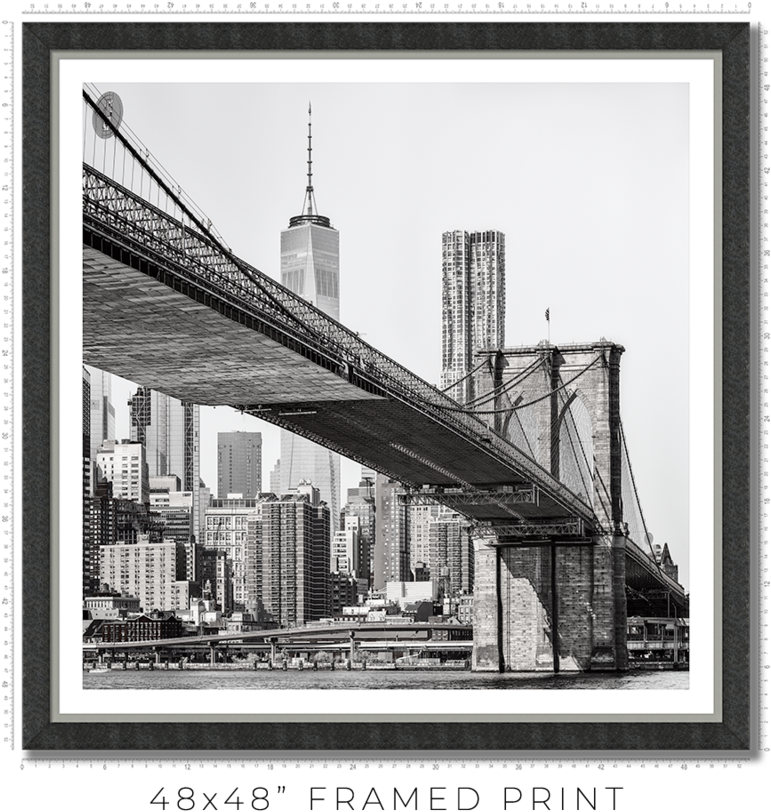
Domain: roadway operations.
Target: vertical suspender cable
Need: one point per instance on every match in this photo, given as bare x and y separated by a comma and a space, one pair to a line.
555, 642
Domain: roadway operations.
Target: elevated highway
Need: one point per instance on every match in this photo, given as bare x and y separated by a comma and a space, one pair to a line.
378, 634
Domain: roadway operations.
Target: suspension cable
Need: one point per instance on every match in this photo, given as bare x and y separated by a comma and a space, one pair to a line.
636, 494
467, 375
207, 231
568, 412
593, 467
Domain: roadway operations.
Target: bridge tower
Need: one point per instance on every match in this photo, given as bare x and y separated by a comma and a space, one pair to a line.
552, 601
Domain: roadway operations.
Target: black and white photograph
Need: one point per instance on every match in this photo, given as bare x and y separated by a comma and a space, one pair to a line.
394, 385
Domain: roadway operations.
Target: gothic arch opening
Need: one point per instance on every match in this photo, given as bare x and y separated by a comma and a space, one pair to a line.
573, 457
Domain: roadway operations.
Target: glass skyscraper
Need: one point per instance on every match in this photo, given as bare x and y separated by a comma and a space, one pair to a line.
102, 412
473, 304
169, 429
310, 267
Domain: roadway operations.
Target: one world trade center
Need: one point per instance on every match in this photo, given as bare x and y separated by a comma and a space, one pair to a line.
310, 267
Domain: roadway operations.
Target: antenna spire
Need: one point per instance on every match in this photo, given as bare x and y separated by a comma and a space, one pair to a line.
310, 198
310, 209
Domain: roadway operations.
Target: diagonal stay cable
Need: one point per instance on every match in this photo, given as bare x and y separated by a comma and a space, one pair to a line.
549, 394
521, 428
522, 376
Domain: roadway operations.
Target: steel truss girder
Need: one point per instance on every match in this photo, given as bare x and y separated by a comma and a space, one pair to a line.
525, 496
529, 530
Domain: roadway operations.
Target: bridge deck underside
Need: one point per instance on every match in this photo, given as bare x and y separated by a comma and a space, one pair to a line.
394, 437
141, 329
643, 574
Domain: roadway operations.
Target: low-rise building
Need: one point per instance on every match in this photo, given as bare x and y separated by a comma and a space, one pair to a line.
110, 606
157, 626
404, 592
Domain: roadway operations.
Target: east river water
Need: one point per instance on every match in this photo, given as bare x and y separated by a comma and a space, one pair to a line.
381, 680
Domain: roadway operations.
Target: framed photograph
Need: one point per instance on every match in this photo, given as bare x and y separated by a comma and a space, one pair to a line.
448, 327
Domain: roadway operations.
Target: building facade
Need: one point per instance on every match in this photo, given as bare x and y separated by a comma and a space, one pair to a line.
110, 606
473, 304
239, 464
392, 555
274, 486
419, 522
310, 267
233, 527
102, 530
144, 570
101, 409
451, 555
158, 626
360, 506
123, 463
216, 576
174, 507
346, 549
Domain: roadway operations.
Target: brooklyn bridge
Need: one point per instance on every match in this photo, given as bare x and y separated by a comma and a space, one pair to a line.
538, 462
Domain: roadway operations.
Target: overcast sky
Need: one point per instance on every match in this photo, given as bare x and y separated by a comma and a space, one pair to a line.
589, 183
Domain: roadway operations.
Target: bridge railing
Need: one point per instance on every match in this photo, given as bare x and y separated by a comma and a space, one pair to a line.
131, 219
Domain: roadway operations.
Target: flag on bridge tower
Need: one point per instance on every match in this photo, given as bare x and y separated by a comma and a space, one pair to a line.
547, 314
548, 325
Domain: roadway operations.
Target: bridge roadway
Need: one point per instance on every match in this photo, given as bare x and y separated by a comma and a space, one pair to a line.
172, 309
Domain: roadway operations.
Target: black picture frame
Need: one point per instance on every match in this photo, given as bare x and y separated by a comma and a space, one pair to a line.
731, 735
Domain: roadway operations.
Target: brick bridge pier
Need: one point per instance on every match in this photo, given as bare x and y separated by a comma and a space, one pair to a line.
557, 602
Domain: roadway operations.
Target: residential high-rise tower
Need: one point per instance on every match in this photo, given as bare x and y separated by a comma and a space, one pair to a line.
473, 304
310, 267
295, 553
392, 555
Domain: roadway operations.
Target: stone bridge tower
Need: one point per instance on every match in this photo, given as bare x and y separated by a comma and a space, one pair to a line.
555, 602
